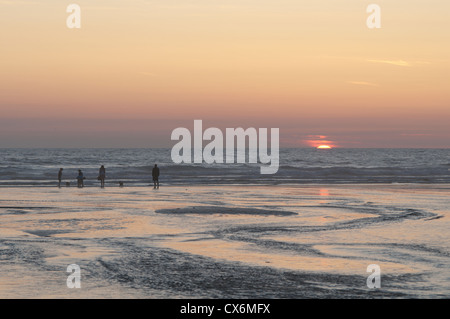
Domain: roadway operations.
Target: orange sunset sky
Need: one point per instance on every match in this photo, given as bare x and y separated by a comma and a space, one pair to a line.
138, 69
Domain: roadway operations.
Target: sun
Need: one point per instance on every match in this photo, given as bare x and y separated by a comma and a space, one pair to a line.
324, 147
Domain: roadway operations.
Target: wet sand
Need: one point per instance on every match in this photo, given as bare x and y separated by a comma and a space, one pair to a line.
311, 241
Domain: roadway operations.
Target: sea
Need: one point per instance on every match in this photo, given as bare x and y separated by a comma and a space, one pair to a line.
132, 167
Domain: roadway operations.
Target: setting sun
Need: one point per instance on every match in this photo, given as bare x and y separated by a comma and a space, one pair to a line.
324, 147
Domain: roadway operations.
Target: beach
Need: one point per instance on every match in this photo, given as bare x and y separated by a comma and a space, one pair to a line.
226, 241
269, 151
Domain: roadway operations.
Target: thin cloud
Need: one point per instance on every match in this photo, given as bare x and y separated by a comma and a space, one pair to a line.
392, 62
148, 73
416, 134
316, 136
362, 83
17, 2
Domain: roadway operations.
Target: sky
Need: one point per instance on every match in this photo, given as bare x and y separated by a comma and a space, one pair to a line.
138, 69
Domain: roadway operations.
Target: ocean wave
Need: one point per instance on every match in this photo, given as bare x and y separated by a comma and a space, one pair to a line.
40, 167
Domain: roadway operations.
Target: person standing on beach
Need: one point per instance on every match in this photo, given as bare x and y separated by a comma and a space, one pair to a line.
80, 179
155, 175
60, 177
102, 176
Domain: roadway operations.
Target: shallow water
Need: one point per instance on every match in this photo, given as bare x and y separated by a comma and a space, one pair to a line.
226, 241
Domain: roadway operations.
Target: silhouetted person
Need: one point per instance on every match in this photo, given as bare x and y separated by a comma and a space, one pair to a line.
155, 175
80, 179
102, 176
60, 177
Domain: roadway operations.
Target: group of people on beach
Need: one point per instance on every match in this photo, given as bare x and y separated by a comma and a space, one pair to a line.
102, 176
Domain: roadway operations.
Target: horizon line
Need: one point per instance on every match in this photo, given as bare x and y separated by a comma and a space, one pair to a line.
169, 147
